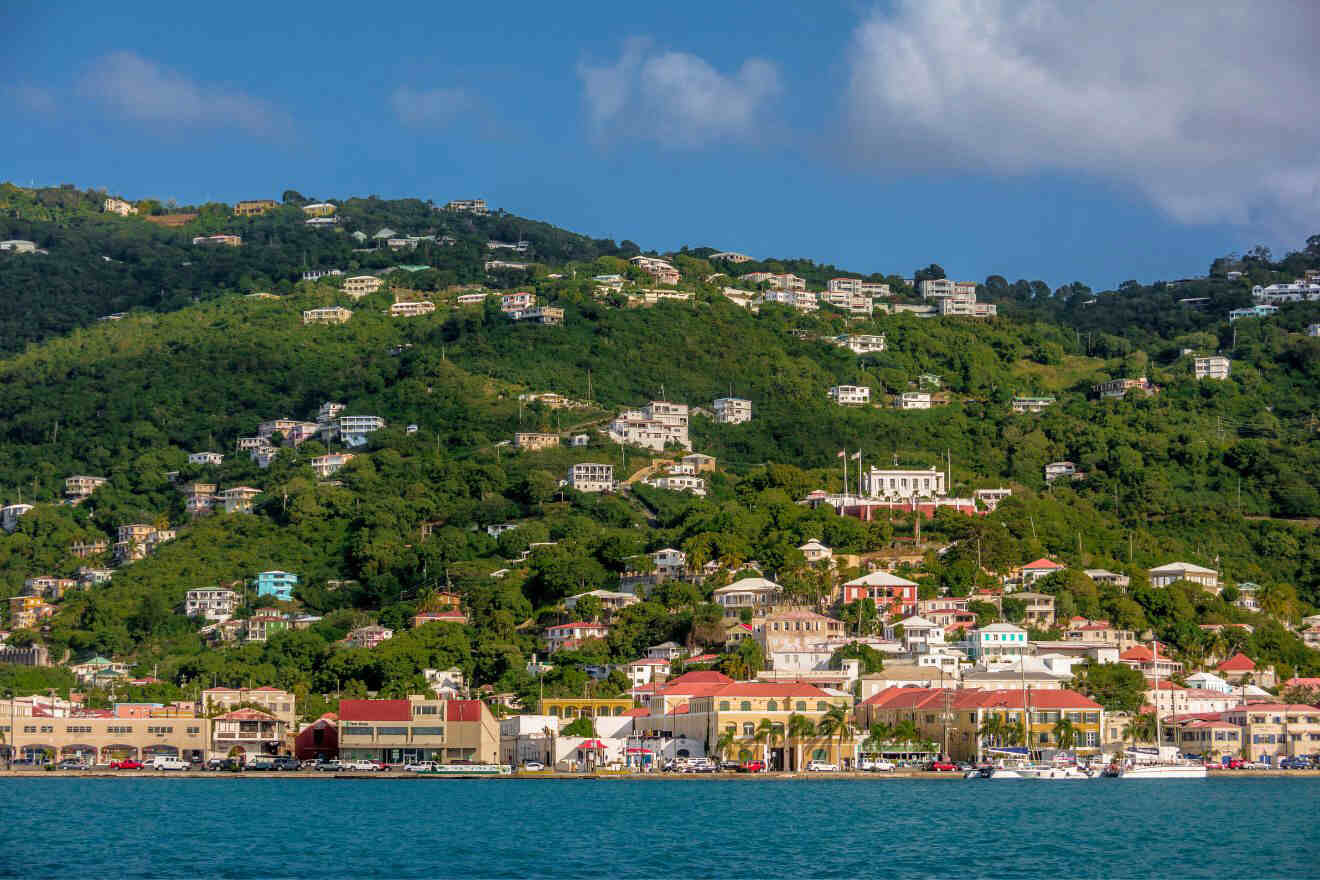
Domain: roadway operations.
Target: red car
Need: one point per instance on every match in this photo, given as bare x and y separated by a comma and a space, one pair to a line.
752, 767
1236, 764
942, 766
126, 764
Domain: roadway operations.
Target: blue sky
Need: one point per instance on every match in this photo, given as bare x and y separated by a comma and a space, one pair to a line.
1029, 140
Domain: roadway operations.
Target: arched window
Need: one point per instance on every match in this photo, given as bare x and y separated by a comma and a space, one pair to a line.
819, 755
801, 705
749, 729
745, 706
772, 706
570, 712
554, 710
618, 710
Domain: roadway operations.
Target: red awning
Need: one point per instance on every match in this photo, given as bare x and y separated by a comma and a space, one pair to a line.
594, 745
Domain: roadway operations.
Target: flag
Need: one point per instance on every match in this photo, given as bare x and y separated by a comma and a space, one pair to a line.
857, 456
841, 453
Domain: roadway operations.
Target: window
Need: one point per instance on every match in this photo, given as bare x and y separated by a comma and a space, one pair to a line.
391, 731
29, 728
160, 730
194, 731
724, 705
749, 729
772, 706
822, 706
745, 706
78, 728
801, 705
819, 755
425, 710
47, 728
429, 731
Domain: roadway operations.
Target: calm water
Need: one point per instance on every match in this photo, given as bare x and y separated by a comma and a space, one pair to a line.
200, 828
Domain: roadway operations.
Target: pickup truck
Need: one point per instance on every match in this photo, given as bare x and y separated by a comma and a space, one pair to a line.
361, 765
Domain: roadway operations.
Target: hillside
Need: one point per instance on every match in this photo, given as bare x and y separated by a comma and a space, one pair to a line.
1186, 473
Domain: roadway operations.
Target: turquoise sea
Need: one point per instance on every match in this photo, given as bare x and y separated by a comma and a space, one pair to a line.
323, 828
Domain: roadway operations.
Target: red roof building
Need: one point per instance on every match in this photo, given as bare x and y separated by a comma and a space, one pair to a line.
375, 710
1239, 662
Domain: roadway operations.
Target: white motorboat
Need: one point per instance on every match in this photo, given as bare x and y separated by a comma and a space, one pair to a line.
1163, 771
1060, 771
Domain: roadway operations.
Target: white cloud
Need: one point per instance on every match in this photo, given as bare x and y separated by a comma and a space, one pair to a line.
675, 98
434, 108
140, 89
1206, 108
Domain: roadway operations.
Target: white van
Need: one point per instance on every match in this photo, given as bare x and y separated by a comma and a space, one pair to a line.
168, 762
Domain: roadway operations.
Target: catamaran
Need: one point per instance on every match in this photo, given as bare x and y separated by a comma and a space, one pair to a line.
1164, 762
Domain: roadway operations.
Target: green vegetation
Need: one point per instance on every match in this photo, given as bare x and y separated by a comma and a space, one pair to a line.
1204, 472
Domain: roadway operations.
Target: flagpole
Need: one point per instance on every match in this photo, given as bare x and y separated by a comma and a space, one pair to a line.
844, 454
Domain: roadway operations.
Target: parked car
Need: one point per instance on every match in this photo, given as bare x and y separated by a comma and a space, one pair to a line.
878, 765
419, 766
942, 767
1255, 765
287, 762
73, 764
822, 767
329, 766
729, 766
752, 767
168, 762
126, 764
362, 764
533, 766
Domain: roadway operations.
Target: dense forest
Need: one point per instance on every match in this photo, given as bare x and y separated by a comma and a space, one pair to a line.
1221, 473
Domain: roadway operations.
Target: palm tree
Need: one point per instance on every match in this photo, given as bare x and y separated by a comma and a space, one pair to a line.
835, 720
1015, 733
992, 730
1140, 729
1065, 734
725, 742
799, 728
765, 733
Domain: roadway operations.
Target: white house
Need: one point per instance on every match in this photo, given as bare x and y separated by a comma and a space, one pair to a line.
732, 410
753, 593
1184, 571
918, 634
1031, 404
815, 551
914, 400
997, 642
861, 343
570, 635
214, 458
589, 476
904, 485
850, 395
1057, 469
211, 604
1215, 367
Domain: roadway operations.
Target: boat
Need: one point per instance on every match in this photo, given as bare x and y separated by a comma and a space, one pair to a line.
1164, 762
467, 770
1007, 762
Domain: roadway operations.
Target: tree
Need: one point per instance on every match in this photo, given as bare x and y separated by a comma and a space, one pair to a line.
834, 722
582, 726
871, 660
1117, 687
800, 727
1140, 728
1065, 734
725, 742
992, 730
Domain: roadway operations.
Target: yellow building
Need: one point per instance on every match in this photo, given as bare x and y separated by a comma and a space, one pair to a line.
956, 720
729, 719
320, 209
585, 707
255, 207
26, 611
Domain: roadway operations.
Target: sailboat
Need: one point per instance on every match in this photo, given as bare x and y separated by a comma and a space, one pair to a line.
1164, 765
